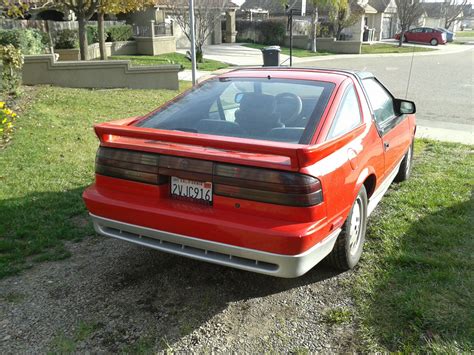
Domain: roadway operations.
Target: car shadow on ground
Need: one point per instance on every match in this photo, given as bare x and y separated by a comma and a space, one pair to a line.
421, 293
182, 294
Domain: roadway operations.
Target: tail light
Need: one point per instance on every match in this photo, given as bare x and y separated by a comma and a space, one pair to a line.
241, 182
272, 186
129, 165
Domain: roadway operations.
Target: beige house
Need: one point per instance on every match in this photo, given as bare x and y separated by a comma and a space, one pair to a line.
378, 21
165, 24
434, 16
384, 20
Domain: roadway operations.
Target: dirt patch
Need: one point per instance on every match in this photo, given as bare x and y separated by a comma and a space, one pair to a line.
112, 296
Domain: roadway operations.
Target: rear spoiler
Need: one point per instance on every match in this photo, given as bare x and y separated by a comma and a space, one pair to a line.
267, 154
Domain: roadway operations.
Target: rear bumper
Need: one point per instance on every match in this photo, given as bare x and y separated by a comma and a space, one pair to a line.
218, 253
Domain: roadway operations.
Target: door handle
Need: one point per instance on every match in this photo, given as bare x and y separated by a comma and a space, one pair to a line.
386, 145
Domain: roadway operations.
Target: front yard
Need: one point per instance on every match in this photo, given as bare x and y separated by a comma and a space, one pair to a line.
171, 58
412, 290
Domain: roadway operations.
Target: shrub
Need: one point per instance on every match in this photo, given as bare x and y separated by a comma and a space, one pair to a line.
12, 65
273, 31
7, 118
28, 41
92, 34
119, 33
67, 39
263, 32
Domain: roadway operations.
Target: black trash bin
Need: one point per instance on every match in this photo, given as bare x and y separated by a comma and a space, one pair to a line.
271, 56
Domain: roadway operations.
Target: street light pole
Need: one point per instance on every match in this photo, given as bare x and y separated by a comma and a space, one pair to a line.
193, 40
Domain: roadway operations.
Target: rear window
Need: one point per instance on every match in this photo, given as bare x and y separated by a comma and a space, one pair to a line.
266, 109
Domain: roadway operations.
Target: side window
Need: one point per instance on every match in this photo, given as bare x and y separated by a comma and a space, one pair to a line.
428, 30
348, 114
380, 99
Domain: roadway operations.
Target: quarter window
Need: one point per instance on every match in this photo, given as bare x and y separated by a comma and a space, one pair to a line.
347, 116
380, 99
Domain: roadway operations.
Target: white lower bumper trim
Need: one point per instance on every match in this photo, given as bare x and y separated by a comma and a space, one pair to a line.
218, 253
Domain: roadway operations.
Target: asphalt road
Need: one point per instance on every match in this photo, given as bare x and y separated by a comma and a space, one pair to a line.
441, 85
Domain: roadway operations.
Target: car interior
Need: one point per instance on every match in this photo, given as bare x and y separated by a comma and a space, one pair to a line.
275, 111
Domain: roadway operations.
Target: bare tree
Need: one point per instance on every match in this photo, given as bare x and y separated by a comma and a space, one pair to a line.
451, 10
207, 16
409, 11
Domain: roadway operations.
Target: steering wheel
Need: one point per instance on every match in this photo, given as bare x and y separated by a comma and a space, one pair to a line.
289, 106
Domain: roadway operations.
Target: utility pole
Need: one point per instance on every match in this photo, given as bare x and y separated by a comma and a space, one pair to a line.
193, 40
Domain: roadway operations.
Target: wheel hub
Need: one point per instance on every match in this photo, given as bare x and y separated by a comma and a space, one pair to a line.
355, 227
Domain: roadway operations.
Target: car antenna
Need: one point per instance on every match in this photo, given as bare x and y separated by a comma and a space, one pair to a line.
409, 73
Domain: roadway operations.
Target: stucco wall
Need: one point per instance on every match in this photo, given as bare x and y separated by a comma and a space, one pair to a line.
112, 48
156, 45
42, 69
327, 44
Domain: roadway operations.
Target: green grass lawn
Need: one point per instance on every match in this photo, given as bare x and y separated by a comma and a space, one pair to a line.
171, 58
49, 163
390, 48
465, 33
297, 52
415, 285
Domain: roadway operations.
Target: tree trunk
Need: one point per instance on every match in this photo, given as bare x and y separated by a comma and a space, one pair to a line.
339, 32
82, 35
400, 41
314, 28
101, 24
199, 54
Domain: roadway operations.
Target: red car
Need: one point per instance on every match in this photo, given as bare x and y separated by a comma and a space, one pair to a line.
268, 170
429, 35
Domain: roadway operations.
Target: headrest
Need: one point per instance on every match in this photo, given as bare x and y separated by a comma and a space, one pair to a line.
257, 102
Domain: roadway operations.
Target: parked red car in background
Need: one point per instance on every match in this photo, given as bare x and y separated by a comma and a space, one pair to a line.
429, 35
268, 170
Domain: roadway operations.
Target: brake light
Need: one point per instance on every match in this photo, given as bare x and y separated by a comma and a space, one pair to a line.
242, 182
271, 186
129, 165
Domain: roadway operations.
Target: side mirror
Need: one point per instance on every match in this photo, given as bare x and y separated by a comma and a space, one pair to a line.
404, 107
238, 97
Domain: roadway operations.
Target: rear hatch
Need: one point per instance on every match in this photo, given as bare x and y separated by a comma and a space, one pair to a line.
257, 177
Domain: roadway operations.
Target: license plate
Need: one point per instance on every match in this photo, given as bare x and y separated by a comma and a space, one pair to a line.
196, 191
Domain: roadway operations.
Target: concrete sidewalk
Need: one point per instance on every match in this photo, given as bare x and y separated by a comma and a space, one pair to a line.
446, 132
239, 55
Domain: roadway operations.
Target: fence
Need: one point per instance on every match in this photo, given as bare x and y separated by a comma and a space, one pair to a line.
54, 26
153, 30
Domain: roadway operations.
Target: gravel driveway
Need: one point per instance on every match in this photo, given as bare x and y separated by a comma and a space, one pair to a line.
112, 296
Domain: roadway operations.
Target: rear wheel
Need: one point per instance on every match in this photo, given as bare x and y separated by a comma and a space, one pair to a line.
405, 39
434, 42
405, 166
350, 242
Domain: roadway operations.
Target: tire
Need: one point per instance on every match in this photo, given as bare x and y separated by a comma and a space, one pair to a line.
405, 166
350, 242
434, 42
405, 40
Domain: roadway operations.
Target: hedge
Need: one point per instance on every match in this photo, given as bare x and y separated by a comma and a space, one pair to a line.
92, 34
28, 41
264, 32
119, 33
66, 39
